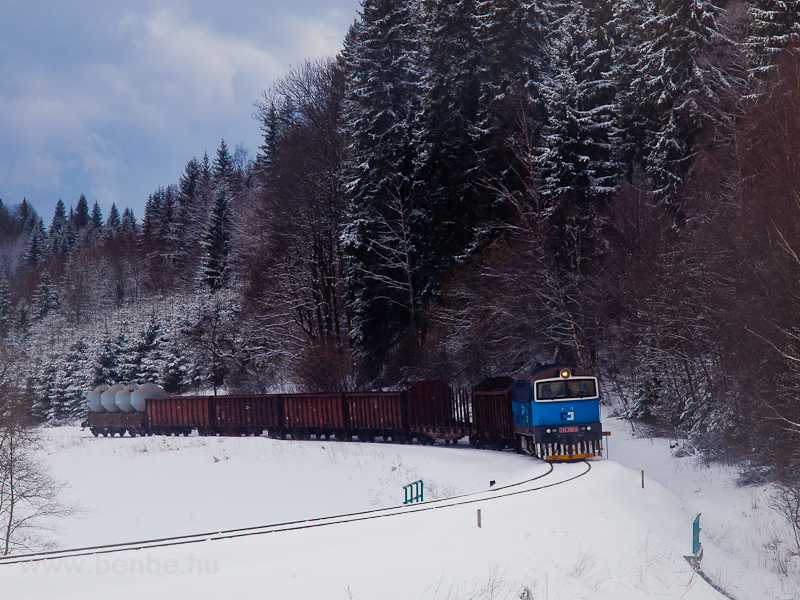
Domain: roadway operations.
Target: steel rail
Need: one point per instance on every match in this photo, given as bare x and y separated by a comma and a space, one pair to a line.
289, 525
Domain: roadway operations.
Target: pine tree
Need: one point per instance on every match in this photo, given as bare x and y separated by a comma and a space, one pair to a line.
78, 378
149, 351
152, 215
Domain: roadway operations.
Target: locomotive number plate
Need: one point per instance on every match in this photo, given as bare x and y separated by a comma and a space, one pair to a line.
567, 430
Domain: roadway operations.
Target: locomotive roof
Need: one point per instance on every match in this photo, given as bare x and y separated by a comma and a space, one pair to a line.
552, 371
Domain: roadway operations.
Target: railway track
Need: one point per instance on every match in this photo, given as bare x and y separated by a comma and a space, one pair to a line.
471, 498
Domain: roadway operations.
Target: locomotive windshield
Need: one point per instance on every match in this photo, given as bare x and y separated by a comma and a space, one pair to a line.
566, 388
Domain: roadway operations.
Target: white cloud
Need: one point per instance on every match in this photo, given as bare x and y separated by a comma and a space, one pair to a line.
112, 99
197, 61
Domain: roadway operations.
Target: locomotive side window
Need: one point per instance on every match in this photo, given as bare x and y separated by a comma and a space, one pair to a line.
570, 388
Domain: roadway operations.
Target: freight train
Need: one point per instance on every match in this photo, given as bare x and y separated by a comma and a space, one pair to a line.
553, 414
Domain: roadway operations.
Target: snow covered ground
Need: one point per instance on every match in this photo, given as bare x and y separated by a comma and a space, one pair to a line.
596, 536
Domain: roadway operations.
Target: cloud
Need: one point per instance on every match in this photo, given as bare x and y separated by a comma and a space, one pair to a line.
196, 61
112, 99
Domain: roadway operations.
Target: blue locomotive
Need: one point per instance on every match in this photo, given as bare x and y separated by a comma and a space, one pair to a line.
557, 413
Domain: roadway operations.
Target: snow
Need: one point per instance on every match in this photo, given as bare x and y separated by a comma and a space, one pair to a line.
598, 535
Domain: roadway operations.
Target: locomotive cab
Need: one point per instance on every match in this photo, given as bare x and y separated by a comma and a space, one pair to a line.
557, 413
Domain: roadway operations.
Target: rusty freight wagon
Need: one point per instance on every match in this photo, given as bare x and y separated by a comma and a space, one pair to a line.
246, 415
180, 415
314, 414
436, 411
373, 414
493, 417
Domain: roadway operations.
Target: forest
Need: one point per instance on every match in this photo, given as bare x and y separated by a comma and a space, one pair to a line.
469, 188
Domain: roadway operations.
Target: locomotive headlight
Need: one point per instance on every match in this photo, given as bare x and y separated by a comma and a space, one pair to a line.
547, 431
565, 373
589, 428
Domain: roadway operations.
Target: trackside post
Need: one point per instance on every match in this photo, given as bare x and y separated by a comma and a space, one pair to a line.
697, 548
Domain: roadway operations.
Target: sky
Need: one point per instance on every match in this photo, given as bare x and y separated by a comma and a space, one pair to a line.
111, 99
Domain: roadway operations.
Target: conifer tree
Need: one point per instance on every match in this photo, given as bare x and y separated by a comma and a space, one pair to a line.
81, 218
26, 217
37, 244
45, 298
96, 219
128, 223
113, 223
671, 87
106, 364
446, 170
383, 66
271, 130
222, 169
189, 182
6, 309
216, 242
775, 27
578, 168
58, 242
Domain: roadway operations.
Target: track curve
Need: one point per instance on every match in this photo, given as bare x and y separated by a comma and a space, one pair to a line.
487, 496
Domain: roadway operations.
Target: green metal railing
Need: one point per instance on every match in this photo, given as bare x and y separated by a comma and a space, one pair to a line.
413, 492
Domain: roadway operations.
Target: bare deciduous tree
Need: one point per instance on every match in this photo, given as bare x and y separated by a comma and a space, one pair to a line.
30, 499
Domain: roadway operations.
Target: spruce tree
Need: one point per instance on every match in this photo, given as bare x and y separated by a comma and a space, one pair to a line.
578, 168
215, 269
36, 246
45, 297
96, 219
446, 174
775, 27
113, 223
222, 169
58, 242
81, 218
383, 66
6, 309
128, 223
671, 86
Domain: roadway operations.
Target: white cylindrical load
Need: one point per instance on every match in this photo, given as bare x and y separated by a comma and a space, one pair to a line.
109, 398
123, 398
146, 390
93, 398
